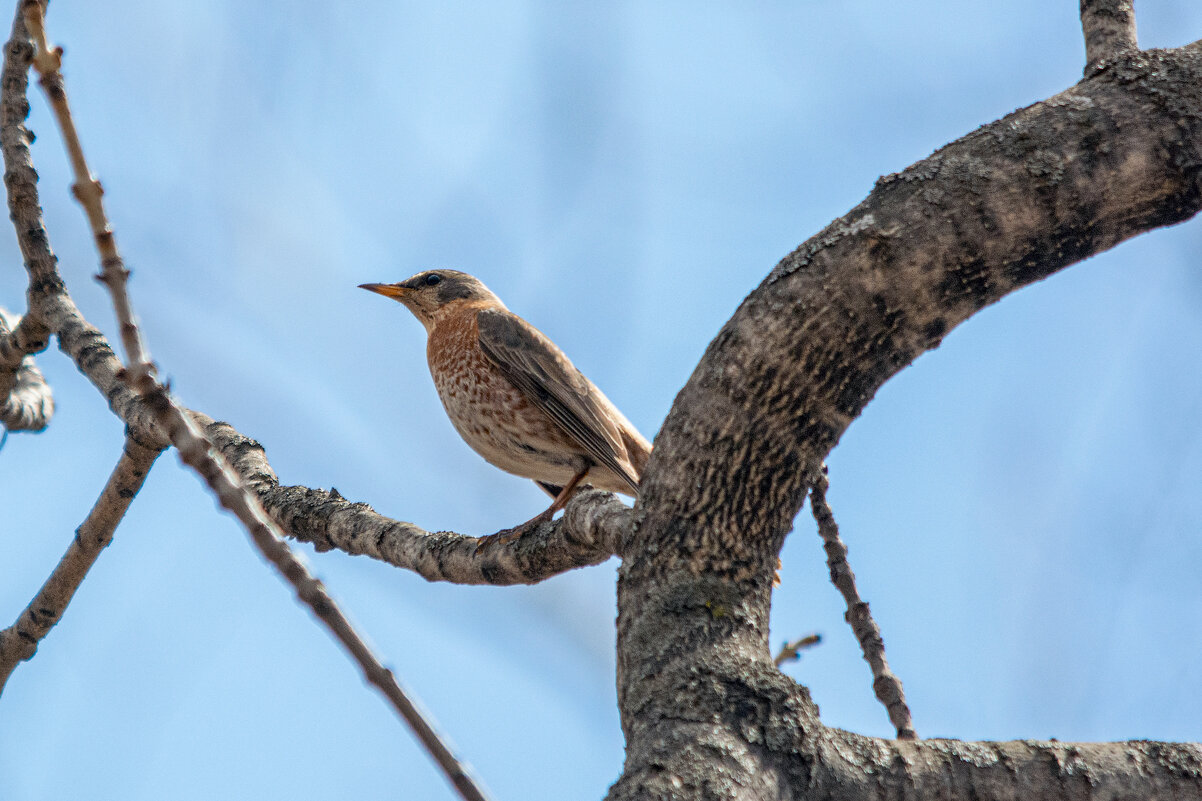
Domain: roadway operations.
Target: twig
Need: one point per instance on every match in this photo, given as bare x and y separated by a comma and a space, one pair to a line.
26, 402
791, 651
20, 641
1109, 28
88, 191
885, 684
198, 452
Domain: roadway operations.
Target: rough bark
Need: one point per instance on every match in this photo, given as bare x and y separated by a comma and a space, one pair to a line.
705, 713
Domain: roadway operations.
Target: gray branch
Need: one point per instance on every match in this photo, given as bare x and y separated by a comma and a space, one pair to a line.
590, 531
19, 642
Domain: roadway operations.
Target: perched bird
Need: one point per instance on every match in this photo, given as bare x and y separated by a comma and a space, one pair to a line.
514, 397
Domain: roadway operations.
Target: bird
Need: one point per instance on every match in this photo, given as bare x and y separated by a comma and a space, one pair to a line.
514, 397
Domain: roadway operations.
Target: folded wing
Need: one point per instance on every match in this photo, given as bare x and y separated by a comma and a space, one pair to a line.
534, 365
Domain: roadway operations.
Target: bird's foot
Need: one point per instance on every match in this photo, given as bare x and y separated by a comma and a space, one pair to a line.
508, 535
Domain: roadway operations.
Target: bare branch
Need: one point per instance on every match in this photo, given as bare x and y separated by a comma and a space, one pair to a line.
20, 178
26, 403
885, 684
90, 195
590, 531
199, 453
20, 641
1109, 28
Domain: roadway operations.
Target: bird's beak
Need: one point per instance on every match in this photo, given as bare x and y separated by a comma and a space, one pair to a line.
394, 291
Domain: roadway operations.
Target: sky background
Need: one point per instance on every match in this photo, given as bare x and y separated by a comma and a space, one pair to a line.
1021, 505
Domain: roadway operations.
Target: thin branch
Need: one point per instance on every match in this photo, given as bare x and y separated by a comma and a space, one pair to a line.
1109, 28
19, 641
590, 531
90, 195
26, 402
791, 651
885, 684
199, 453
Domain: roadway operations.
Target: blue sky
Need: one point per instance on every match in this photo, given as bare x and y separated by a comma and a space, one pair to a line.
1021, 505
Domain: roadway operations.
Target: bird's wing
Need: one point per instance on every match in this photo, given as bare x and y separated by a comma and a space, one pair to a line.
533, 364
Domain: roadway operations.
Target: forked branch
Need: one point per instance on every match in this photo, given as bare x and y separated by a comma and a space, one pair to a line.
200, 453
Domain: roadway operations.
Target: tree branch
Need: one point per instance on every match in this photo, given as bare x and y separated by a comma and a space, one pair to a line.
90, 194
1005, 206
1109, 28
885, 684
20, 641
199, 453
1019, 769
590, 531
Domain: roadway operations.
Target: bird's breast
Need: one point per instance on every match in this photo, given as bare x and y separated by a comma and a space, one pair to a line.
491, 414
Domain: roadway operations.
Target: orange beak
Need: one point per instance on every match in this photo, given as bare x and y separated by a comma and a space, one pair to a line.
394, 291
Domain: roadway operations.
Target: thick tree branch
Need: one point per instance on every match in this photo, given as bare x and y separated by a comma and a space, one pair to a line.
885, 684
853, 767
1001, 208
1109, 28
20, 641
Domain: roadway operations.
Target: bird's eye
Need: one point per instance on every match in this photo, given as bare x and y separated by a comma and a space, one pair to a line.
433, 279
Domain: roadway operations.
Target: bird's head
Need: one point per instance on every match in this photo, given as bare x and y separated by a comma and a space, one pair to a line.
428, 293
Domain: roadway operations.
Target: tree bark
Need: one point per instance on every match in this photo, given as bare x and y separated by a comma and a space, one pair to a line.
705, 713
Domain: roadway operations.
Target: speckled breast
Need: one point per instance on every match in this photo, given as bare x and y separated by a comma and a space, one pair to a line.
491, 415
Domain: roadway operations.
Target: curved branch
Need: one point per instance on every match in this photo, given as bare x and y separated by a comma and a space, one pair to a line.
1005, 206
590, 531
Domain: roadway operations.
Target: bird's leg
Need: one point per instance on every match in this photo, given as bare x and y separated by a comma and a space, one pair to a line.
561, 500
